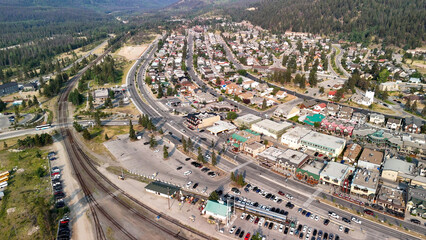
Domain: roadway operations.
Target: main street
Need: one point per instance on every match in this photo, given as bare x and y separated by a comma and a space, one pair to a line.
254, 173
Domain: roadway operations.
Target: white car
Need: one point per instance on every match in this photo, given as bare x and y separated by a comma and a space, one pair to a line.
356, 220
187, 173
231, 231
313, 216
243, 215
156, 150
316, 218
260, 223
304, 228
309, 230
204, 190
291, 231
334, 215
275, 226
281, 228
252, 219
341, 228
189, 184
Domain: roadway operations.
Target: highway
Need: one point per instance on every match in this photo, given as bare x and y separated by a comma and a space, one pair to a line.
254, 173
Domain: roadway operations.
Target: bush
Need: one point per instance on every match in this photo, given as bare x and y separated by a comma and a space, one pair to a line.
40, 172
86, 134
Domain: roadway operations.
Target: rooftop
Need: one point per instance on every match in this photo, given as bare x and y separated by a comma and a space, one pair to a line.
271, 153
296, 132
336, 170
352, 151
216, 208
244, 135
255, 145
395, 164
293, 156
221, 126
371, 156
366, 178
249, 118
272, 125
163, 188
324, 140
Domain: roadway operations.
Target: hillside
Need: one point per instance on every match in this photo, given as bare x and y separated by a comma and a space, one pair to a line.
397, 22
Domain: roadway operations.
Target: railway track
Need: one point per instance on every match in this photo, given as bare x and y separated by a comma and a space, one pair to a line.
79, 159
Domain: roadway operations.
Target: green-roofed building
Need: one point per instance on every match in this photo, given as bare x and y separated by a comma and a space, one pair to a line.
162, 189
240, 139
309, 173
311, 120
217, 210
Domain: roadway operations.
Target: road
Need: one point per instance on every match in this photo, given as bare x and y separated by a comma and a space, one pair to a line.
339, 60
253, 172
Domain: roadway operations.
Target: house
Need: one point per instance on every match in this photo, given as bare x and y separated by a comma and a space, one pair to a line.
162, 189
255, 148
202, 120
319, 107
220, 127
370, 159
352, 152
217, 210
204, 97
8, 88
414, 80
281, 94
240, 139
233, 88
308, 104
377, 118
396, 170
358, 117
345, 113
393, 123
286, 111
330, 145
246, 97
391, 198
331, 94
332, 109
270, 128
413, 125
389, 86
365, 183
30, 87
292, 137
416, 201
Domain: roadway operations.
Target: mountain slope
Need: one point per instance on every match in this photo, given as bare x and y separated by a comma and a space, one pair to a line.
398, 22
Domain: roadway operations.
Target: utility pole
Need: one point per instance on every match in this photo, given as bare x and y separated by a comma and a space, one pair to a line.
168, 199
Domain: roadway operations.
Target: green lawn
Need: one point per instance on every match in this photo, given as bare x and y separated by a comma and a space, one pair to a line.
29, 194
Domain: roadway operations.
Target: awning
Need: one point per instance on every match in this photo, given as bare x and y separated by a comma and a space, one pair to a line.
236, 145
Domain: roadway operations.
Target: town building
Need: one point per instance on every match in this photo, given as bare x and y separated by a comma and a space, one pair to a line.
332, 109
416, 201
397, 170
292, 137
352, 152
391, 198
389, 86
345, 113
285, 111
365, 100
330, 145
270, 128
358, 118
8, 88
270, 155
247, 120
255, 148
217, 210
221, 127
310, 172
379, 137
290, 160
100, 95
337, 174
162, 189
365, 183
202, 120
308, 104
370, 159
240, 139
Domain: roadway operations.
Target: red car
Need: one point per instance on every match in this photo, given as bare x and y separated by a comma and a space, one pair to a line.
369, 212
256, 221
281, 193
247, 236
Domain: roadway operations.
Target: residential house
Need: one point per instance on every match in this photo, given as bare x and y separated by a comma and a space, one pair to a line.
370, 159
281, 94
389, 86
377, 118
416, 201
308, 104
345, 113
393, 123
319, 107
233, 88
331, 94
8, 88
100, 95
413, 125
286, 111
358, 118
332, 109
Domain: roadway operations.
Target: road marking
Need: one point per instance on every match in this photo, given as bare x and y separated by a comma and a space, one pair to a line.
311, 198
240, 166
286, 186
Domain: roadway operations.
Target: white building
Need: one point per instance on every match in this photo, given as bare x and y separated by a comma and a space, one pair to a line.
270, 128
377, 118
335, 173
292, 137
322, 143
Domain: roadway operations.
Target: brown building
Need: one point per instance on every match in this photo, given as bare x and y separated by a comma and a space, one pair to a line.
352, 152
370, 159
240, 139
254, 148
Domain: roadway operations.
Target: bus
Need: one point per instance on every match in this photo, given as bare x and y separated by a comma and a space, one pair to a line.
4, 174
42, 127
4, 179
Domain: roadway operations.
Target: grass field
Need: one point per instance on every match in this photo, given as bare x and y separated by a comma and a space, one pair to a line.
26, 211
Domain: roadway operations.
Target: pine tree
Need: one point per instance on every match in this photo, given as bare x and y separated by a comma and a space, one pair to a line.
233, 176
184, 145
152, 142
214, 160
264, 105
132, 134
200, 156
190, 144
414, 107
86, 134
106, 137
98, 118
165, 152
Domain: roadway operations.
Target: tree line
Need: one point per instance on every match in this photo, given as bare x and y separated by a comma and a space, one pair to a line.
36, 141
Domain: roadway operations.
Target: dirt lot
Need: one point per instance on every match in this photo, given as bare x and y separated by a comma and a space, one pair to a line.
132, 52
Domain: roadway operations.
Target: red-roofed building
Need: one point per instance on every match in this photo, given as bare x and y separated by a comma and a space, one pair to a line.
319, 107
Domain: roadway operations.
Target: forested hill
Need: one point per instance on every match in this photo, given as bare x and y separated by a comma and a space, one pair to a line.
398, 22
98, 5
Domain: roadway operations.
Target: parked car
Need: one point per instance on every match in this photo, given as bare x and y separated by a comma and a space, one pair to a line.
231, 231
326, 222
356, 220
187, 173
416, 221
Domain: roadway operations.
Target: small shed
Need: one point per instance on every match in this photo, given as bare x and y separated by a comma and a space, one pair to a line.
162, 189
217, 210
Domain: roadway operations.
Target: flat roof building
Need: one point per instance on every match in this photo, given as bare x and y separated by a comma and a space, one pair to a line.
395, 170
370, 159
217, 210
336, 173
220, 127
202, 120
365, 182
318, 142
247, 120
162, 189
292, 137
290, 160
253, 149
391, 198
270, 128
240, 139
310, 172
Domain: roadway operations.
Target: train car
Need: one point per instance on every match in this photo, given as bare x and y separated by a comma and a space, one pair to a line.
4, 174
4, 179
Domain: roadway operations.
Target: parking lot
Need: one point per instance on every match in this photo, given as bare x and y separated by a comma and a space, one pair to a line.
178, 169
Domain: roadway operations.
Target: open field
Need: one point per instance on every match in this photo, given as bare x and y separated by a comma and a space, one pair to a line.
26, 210
131, 52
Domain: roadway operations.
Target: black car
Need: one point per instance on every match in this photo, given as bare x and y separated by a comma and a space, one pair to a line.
241, 234
346, 220
331, 236
299, 227
346, 230
255, 189
271, 224
325, 235
248, 217
286, 230
57, 187
282, 212
288, 204
416, 221
277, 210
326, 222
337, 237
219, 192
187, 159
272, 209
178, 168
238, 232
145, 143
256, 204
301, 235
268, 196
60, 204
316, 154
279, 201
195, 186
304, 212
